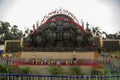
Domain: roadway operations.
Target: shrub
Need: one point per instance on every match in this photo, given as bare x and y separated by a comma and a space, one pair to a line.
55, 70
26, 70
96, 72
13, 69
76, 70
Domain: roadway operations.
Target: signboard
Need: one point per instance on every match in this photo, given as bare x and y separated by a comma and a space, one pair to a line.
1, 49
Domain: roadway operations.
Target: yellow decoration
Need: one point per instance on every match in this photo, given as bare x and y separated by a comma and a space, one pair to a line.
9, 55
19, 54
96, 55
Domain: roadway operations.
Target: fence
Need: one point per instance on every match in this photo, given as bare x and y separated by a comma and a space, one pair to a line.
52, 77
7, 60
113, 64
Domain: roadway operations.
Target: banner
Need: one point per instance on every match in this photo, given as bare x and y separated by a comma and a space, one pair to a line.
1, 49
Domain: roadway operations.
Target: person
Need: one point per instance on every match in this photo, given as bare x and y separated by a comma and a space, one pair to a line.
33, 59
58, 62
74, 57
45, 61
33, 56
39, 61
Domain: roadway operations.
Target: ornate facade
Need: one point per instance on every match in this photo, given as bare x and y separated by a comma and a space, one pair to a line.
59, 31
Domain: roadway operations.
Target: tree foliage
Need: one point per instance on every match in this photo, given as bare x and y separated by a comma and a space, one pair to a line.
8, 32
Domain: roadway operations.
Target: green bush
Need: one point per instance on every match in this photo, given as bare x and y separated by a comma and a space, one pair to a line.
75, 71
96, 72
55, 70
26, 70
13, 69
118, 53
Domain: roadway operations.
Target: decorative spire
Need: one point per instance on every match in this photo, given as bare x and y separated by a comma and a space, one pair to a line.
33, 27
87, 25
37, 23
82, 22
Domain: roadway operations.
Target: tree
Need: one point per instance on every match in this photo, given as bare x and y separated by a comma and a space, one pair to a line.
9, 34
96, 31
4, 28
89, 31
105, 34
14, 29
16, 33
27, 32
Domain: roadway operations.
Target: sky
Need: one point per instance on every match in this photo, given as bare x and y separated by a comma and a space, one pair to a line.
25, 13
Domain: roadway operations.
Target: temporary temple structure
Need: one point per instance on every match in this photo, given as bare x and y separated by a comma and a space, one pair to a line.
61, 31
59, 39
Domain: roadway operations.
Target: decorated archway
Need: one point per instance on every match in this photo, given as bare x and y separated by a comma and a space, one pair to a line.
60, 30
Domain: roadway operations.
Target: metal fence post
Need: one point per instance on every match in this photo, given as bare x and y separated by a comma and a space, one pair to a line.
68, 77
51, 78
